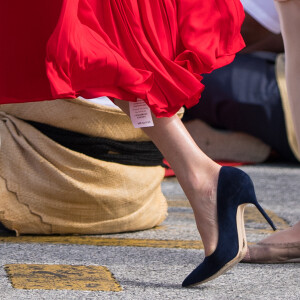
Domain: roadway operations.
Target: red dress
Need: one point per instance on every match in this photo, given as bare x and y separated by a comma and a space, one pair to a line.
127, 49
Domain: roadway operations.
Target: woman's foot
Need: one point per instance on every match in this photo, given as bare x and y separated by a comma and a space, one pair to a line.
234, 191
281, 247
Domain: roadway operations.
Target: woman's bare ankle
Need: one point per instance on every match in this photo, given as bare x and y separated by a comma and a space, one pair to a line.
203, 200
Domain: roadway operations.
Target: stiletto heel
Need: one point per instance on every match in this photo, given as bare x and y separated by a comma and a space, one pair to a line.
261, 210
235, 190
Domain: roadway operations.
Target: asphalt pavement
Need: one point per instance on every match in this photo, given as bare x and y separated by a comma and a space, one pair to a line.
151, 264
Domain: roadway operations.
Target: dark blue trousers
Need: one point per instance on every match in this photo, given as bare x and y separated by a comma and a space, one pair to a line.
244, 96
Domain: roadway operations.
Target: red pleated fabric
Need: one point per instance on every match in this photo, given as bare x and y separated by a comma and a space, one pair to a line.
127, 49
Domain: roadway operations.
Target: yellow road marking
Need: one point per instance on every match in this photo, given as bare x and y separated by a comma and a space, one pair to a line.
98, 241
62, 277
251, 216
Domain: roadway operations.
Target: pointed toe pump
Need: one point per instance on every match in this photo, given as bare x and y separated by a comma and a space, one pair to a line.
235, 190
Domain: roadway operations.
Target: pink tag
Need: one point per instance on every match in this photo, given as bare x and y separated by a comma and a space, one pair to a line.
140, 114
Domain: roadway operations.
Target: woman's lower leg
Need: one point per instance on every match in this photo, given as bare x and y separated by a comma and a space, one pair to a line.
196, 172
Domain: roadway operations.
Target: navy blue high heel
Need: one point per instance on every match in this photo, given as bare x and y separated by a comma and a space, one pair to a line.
235, 191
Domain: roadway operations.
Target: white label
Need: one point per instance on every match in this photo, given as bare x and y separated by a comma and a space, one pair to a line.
140, 114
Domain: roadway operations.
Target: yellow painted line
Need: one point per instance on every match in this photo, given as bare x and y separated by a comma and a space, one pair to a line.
98, 241
62, 277
251, 216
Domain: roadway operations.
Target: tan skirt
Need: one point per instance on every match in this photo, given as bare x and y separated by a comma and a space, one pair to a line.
46, 188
